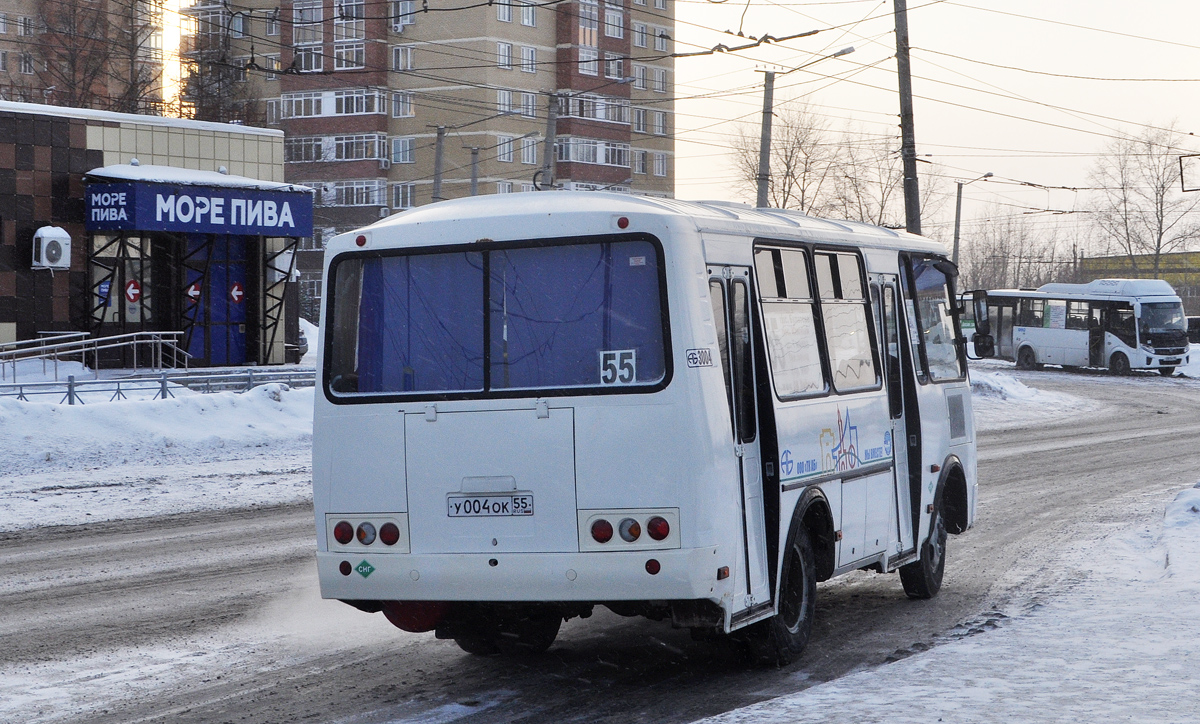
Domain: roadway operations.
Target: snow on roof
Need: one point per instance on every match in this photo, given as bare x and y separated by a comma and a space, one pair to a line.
89, 114
148, 173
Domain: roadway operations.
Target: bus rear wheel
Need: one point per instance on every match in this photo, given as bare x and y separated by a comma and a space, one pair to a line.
1026, 359
1119, 364
1166, 371
923, 578
781, 639
511, 632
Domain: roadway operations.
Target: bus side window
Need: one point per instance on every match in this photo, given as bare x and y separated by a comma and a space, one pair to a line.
789, 322
716, 291
847, 330
743, 361
1077, 315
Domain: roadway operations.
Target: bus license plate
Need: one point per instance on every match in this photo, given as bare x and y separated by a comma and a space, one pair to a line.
483, 506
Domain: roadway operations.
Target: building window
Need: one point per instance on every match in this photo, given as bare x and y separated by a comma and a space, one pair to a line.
404, 12
305, 149
639, 35
404, 150
504, 187
504, 101
301, 105
639, 120
528, 13
3, 23
402, 104
639, 162
26, 63
402, 57
660, 123
349, 56
660, 39
239, 69
660, 4
525, 188
4, 61
660, 80
349, 20
587, 150
613, 66
660, 164
589, 61
504, 11
272, 66
639, 2
504, 55
308, 58
25, 27
529, 105
639, 77
273, 111
368, 192
237, 26
358, 101
504, 149
307, 17
529, 148
597, 108
528, 59
403, 196
359, 147
589, 23
614, 20
272, 22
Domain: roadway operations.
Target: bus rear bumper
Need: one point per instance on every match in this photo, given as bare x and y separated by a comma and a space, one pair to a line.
689, 573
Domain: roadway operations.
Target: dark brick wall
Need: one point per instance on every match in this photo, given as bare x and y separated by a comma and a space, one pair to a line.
42, 161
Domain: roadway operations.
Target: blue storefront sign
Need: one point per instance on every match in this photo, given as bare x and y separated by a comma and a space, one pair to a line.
143, 206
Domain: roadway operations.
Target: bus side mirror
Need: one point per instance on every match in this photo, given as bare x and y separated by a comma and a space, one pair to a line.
983, 325
985, 345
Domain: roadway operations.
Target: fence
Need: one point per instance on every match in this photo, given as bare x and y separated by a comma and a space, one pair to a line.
161, 386
163, 348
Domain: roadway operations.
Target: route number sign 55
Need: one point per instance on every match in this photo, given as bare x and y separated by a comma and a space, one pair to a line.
618, 367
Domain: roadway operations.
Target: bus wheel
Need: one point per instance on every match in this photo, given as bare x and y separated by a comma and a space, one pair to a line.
781, 639
529, 634
477, 645
923, 578
1026, 360
1166, 371
1119, 364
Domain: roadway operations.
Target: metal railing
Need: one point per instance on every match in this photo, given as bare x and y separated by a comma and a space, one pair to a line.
163, 350
162, 385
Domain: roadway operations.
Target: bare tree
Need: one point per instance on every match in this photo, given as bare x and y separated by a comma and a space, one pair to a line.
136, 73
74, 50
869, 182
802, 160
1003, 250
1139, 207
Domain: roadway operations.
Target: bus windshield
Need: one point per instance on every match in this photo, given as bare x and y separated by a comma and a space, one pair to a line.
572, 315
1163, 317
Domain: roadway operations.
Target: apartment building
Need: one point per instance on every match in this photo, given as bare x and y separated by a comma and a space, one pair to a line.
389, 104
101, 54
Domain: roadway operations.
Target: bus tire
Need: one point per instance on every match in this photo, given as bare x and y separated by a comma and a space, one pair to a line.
781, 639
1119, 364
1166, 371
923, 578
530, 634
477, 645
1026, 359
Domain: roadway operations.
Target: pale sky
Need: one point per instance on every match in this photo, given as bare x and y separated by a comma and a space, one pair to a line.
970, 118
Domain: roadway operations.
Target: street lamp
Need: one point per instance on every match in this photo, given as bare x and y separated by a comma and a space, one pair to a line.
958, 212
764, 148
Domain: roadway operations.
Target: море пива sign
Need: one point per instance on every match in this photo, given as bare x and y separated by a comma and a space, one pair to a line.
198, 209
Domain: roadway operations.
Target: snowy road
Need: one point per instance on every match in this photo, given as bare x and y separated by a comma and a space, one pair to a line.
213, 617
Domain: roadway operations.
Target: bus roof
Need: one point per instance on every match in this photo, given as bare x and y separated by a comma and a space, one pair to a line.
1099, 288
505, 211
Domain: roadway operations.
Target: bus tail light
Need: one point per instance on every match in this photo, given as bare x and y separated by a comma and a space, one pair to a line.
602, 531
389, 534
653, 567
366, 533
343, 532
631, 530
658, 527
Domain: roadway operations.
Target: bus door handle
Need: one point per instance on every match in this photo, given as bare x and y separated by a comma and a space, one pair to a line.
739, 450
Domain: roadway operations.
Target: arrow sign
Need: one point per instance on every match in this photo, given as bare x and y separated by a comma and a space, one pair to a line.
236, 292
193, 292
133, 291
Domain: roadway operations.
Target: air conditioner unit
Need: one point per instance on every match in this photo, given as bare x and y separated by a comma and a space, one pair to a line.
398, 27
51, 248
385, 163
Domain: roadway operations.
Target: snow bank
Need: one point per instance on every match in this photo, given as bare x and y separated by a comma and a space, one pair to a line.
1002, 401
195, 452
311, 335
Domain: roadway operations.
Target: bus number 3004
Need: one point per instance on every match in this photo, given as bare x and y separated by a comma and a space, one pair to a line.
489, 505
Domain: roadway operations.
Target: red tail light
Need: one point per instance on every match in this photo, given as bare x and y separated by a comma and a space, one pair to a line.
389, 534
343, 532
602, 531
658, 528
653, 567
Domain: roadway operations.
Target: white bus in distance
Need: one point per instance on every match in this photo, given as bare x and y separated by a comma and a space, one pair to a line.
1120, 324
533, 404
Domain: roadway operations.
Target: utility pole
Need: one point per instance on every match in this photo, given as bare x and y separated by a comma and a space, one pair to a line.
764, 148
958, 212
475, 170
437, 163
908, 140
548, 152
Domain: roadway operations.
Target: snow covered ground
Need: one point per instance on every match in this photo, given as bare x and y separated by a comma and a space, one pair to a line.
1121, 645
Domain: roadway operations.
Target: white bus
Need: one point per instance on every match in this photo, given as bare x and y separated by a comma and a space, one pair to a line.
1121, 324
537, 403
